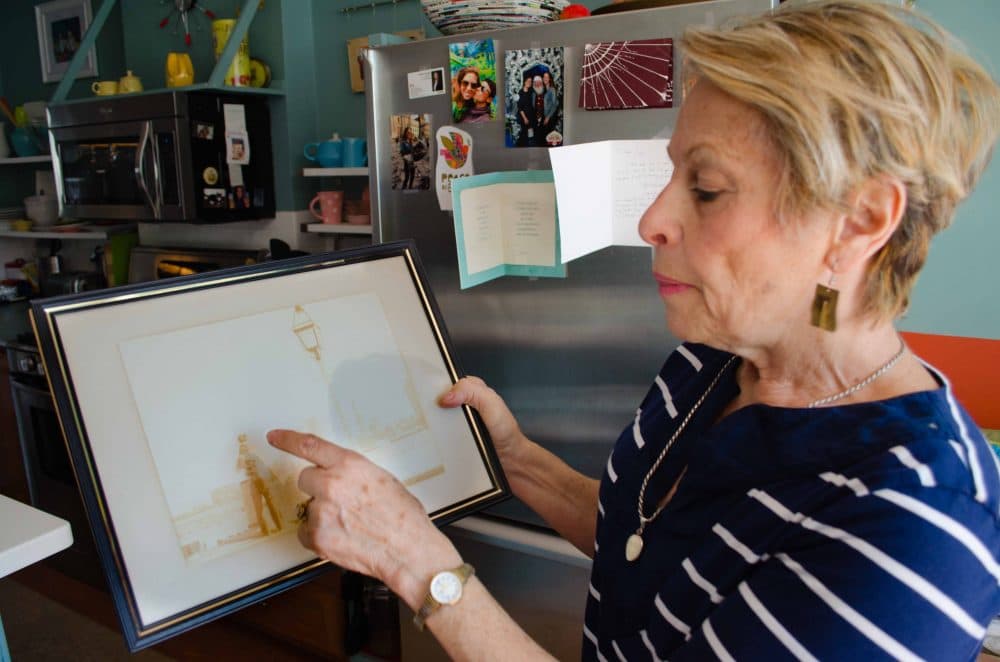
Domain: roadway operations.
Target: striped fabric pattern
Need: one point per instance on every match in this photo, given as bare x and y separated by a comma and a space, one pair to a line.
866, 531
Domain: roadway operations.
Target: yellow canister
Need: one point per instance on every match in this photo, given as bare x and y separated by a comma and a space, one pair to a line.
238, 73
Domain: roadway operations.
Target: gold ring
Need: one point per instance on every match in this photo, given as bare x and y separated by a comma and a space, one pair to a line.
302, 511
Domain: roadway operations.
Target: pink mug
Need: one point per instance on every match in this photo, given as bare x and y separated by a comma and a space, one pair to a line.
331, 206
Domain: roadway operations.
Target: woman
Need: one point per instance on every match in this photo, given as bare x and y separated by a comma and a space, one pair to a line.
796, 483
406, 144
466, 84
482, 102
550, 105
525, 111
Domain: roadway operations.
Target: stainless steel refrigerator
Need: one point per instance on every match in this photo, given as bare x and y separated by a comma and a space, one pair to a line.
572, 356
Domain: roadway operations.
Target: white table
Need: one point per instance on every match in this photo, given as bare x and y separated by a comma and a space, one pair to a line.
27, 535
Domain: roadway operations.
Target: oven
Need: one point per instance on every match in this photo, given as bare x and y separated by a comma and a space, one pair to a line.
51, 483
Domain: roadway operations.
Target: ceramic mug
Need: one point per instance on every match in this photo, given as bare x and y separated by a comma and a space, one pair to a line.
331, 206
329, 153
179, 70
355, 152
104, 87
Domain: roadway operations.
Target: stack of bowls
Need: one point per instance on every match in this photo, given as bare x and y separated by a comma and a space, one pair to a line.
460, 16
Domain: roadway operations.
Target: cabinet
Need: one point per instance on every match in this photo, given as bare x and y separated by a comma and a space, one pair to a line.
335, 229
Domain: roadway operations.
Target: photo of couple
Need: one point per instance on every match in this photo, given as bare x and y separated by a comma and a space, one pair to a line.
534, 97
473, 82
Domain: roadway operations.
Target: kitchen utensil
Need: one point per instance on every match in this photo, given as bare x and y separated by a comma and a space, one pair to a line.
238, 73
329, 153
42, 209
355, 152
179, 69
104, 88
331, 205
129, 83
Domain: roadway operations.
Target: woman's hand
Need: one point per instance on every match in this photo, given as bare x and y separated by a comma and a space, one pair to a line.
362, 518
500, 422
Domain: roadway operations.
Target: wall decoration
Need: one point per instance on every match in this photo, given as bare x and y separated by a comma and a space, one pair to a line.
628, 74
356, 45
473, 81
61, 26
167, 394
533, 97
411, 139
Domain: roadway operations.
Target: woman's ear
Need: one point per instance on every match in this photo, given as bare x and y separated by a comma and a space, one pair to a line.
876, 209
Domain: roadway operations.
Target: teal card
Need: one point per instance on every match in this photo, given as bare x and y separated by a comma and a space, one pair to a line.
506, 225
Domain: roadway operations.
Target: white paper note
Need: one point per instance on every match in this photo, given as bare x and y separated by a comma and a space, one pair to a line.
602, 190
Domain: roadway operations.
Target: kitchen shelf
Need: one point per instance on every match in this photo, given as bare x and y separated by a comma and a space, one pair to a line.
13, 160
228, 89
337, 228
88, 232
335, 172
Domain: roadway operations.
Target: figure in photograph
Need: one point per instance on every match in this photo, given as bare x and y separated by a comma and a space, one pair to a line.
534, 97
796, 483
256, 491
482, 102
464, 97
436, 83
411, 156
470, 63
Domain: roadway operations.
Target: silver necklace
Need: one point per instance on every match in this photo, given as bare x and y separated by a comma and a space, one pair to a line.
633, 546
886, 367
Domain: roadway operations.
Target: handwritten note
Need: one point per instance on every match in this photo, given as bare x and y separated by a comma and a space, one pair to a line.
602, 190
505, 225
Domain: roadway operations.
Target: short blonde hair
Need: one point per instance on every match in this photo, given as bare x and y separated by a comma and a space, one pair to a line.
852, 89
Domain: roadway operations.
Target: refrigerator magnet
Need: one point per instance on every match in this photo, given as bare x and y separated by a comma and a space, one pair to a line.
425, 83
454, 149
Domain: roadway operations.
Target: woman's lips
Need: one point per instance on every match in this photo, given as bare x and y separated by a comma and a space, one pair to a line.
669, 286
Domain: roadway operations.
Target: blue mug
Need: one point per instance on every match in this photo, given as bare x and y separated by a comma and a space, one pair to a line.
355, 152
329, 153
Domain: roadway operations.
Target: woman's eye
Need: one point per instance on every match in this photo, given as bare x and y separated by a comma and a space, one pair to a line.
704, 195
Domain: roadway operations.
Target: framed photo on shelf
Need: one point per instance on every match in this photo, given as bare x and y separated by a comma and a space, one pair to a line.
165, 391
61, 26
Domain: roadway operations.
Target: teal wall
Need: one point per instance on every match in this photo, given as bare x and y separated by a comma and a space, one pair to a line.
21, 78
958, 292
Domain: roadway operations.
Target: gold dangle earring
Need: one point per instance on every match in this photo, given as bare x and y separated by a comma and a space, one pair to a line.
824, 306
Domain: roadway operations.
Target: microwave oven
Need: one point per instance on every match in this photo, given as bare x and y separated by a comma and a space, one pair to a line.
177, 156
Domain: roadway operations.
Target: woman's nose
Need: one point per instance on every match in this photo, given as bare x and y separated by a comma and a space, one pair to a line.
659, 223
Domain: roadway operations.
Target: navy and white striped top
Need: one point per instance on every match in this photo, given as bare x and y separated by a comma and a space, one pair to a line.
863, 531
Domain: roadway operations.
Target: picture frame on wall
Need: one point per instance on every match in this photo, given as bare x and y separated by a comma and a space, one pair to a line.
61, 26
165, 392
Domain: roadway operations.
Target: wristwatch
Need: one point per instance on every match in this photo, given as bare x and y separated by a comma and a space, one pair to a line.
446, 589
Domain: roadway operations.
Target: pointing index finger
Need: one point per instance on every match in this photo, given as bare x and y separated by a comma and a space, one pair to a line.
307, 446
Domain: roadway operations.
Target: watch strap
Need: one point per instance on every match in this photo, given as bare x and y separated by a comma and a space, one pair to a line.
430, 605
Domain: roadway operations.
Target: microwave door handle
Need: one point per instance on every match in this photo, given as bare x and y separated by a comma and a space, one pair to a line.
157, 177
140, 167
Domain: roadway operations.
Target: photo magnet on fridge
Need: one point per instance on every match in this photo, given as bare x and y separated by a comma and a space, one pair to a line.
473, 81
534, 97
410, 136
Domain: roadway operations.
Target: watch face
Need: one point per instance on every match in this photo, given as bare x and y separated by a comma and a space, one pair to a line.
446, 588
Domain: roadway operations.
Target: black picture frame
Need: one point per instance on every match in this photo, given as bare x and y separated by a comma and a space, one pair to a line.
112, 358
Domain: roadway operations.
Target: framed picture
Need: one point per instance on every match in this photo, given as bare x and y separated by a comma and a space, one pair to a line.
61, 26
165, 392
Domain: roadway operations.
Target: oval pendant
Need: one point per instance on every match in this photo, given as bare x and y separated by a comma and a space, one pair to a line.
633, 547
